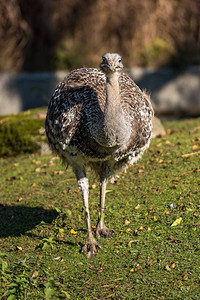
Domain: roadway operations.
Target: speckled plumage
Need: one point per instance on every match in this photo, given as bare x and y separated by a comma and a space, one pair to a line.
77, 109
76, 105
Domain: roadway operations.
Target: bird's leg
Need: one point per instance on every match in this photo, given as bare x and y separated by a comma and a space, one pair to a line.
101, 228
91, 242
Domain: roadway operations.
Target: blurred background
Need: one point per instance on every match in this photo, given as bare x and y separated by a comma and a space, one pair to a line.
41, 40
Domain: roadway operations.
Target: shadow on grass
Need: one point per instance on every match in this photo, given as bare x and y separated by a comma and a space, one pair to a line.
58, 241
17, 220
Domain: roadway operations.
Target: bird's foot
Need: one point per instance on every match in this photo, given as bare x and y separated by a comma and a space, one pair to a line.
103, 230
90, 245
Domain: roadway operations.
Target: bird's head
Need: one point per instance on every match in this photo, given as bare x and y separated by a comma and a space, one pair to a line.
111, 62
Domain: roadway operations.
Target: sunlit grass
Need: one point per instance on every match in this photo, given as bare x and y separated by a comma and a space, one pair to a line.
146, 258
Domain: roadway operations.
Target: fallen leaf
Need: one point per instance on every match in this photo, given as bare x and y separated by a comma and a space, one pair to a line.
170, 131
197, 224
167, 268
126, 222
173, 265
129, 244
140, 228
51, 165
151, 208
41, 116
177, 222
66, 205
128, 229
57, 258
18, 248
195, 147
94, 186
108, 191
58, 172
110, 296
11, 178
42, 130
190, 154
138, 206
73, 231
149, 264
159, 145
197, 139
138, 267
54, 158
154, 218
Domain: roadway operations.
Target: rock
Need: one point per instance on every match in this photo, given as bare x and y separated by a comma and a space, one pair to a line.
158, 129
174, 94
44, 149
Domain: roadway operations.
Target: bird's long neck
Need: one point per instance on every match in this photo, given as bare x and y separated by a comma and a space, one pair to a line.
113, 99
115, 130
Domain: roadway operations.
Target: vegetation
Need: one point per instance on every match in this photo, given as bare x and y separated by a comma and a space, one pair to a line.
22, 133
154, 209
64, 34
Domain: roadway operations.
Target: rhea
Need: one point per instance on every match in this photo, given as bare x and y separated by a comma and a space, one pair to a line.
99, 118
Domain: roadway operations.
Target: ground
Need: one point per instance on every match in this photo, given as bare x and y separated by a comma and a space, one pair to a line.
154, 209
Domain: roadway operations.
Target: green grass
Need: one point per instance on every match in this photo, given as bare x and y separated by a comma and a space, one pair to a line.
147, 258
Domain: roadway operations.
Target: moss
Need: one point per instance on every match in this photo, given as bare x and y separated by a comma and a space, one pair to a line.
20, 133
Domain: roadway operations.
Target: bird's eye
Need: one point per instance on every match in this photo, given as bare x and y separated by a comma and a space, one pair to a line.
119, 61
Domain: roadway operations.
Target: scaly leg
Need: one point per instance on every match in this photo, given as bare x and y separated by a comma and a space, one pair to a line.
91, 242
101, 228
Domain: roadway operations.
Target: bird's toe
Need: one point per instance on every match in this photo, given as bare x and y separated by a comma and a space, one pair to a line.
90, 245
104, 231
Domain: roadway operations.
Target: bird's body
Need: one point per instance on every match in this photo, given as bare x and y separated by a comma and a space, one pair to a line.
102, 119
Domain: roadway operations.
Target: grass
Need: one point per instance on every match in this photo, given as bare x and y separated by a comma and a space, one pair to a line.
43, 229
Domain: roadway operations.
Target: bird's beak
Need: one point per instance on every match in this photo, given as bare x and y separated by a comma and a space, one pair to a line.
111, 67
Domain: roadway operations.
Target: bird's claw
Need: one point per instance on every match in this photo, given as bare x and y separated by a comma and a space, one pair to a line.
90, 245
103, 230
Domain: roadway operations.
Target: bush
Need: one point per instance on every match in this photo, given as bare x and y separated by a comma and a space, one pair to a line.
65, 34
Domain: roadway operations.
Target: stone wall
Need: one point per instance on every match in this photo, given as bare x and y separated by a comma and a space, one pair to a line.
174, 94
